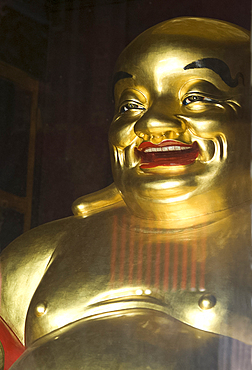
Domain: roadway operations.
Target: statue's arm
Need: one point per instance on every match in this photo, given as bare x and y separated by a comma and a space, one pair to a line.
95, 202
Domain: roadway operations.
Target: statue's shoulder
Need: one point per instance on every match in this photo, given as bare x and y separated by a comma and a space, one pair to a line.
97, 202
22, 266
36, 244
24, 262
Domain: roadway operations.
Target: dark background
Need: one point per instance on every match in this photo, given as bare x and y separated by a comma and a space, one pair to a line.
71, 47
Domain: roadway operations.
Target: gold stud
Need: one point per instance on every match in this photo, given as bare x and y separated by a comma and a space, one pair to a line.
40, 309
207, 301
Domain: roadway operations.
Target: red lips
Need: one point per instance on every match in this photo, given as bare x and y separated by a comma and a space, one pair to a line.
167, 153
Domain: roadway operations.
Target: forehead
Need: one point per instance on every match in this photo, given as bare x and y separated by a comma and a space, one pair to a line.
153, 58
176, 51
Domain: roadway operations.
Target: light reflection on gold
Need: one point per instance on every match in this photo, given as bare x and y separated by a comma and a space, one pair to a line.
205, 304
40, 309
202, 319
115, 294
167, 185
164, 67
61, 320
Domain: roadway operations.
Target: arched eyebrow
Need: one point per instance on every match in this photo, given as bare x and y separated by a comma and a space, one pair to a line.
219, 67
120, 76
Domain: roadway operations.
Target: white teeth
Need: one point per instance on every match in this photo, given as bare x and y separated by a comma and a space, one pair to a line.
165, 149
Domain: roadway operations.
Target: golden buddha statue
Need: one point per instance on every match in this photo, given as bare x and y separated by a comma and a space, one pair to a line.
153, 272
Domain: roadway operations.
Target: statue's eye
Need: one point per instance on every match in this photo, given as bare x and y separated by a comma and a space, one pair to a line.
196, 98
130, 106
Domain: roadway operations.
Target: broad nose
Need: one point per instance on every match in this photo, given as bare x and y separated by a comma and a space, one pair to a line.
156, 125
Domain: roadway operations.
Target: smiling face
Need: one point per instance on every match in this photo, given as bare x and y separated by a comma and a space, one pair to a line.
180, 137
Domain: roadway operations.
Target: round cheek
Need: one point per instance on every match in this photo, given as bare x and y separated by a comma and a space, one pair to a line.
215, 120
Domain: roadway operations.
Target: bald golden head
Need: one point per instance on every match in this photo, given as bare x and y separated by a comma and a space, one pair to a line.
180, 136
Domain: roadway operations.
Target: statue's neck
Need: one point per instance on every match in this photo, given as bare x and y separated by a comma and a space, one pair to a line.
236, 217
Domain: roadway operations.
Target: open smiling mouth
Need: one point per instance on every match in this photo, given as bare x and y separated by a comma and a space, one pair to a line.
167, 153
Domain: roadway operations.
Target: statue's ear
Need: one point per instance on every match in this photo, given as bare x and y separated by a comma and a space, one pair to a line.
95, 202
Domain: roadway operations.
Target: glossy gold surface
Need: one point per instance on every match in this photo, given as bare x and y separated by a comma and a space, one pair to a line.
23, 265
100, 287
85, 290
95, 202
177, 346
150, 106
161, 280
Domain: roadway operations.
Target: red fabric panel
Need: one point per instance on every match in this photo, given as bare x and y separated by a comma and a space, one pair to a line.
13, 348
